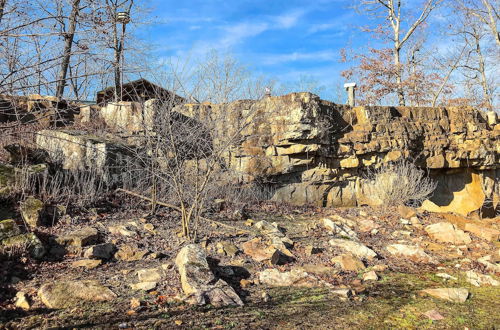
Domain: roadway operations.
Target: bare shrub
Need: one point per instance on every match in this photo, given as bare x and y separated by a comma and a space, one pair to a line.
399, 183
76, 188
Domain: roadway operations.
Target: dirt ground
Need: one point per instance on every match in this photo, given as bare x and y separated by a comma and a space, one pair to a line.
391, 302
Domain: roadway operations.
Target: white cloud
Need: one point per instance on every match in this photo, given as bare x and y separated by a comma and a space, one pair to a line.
288, 20
237, 33
299, 56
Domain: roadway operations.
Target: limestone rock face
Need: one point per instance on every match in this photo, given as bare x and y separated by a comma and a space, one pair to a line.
316, 151
199, 282
76, 150
129, 116
64, 294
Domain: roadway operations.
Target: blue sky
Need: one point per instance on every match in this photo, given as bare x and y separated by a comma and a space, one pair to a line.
276, 38
280, 39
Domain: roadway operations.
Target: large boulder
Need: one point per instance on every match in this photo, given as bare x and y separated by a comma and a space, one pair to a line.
64, 294
199, 282
448, 233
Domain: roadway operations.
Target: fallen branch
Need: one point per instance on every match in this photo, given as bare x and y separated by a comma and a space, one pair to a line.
173, 207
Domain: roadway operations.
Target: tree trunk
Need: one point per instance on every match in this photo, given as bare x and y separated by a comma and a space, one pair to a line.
118, 43
399, 79
69, 37
492, 21
2, 7
484, 80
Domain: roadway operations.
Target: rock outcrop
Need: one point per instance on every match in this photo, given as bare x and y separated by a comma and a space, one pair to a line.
312, 151
315, 151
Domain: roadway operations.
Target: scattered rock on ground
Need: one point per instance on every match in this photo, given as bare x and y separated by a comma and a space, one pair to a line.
446, 276
149, 275
278, 239
413, 253
24, 243
448, 233
199, 282
79, 238
295, 277
227, 248
357, 249
479, 279
130, 253
144, 286
488, 262
343, 292
122, 230
8, 228
367, 225
449, 294
433, 315
370, 276
476, 227
32, 211
260, 252
63, 294
319, 269
349, 262
86, 263
339, 230
406, 212
22, 301
101, 251
309, 250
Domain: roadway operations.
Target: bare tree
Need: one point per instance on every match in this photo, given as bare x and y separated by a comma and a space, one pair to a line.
486, 11
113, 7
473, 35
186, 147
391, 11
2, 6
68, 45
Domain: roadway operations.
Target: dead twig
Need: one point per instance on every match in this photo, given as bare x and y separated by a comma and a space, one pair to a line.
175, 208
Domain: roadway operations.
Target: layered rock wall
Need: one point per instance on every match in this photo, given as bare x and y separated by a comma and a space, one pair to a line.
315, 151
311, 151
